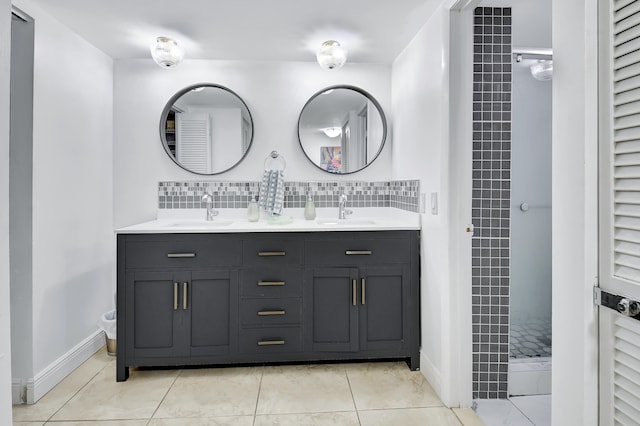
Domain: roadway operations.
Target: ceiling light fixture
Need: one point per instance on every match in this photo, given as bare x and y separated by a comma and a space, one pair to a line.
331, 55
166, 52
332, 132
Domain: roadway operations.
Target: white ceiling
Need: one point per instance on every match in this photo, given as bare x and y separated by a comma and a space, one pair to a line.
290, 30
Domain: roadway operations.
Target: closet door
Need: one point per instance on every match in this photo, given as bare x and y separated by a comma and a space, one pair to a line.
619, 175
193, 141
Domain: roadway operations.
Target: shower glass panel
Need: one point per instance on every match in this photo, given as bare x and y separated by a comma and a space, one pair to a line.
530, 263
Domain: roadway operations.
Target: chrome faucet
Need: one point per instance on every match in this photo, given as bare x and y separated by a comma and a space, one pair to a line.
208, 200
342, 207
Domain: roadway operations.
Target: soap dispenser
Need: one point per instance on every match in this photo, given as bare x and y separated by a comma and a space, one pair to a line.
253, 211
309, 208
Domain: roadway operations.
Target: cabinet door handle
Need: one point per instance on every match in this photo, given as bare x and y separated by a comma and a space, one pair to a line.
180, 255
175, 296
271, 253
363, 283
353, 293
269, 283
185, 295
270, 342
269, 313
358, 252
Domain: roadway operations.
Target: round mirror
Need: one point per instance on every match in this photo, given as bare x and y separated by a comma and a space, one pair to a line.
206, 129
342, 129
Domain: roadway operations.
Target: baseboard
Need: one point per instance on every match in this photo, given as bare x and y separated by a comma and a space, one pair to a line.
431, 373
31, 390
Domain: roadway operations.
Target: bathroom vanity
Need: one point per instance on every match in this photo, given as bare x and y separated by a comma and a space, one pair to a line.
246, 293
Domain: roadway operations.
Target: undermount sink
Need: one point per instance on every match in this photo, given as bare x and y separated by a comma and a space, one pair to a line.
344, 222
199, 223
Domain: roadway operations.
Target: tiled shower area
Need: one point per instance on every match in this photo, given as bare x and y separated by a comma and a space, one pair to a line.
511, 265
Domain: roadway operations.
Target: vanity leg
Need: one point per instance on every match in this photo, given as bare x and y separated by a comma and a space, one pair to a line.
122, 372
414, 362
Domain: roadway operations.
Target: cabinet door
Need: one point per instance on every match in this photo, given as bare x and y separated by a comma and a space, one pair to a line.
384, 307
212, 298
154, 322
331, 311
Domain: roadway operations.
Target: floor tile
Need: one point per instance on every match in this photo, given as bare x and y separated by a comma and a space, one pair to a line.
389, 385
104, 398
467, 417
435, 416
212, 392
304, 389
47, 406
28, 423
311, 419
210, 421
498, 412
537, 408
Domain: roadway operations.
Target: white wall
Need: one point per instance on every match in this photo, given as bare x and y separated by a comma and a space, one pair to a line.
73, 249
575, 172
5, 338
275, 93
421, 151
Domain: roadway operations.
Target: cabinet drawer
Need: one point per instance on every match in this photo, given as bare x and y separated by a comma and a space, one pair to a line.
273, 250
269, 312
188, 251
270, 340
357, 251
271, 281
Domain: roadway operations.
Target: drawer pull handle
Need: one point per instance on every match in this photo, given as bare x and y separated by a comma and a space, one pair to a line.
270, 342
358, 252
180, 255
175, 296
270, 283
271, 253
353, 292
269, 313
185, 291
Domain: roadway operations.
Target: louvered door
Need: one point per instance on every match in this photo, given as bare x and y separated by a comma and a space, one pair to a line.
619, 175
193, 141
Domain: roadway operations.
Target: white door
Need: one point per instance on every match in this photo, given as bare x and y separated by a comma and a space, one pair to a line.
193, 141
619, 177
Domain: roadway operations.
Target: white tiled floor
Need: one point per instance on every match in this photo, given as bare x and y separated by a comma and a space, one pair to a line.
367, 394
532, 410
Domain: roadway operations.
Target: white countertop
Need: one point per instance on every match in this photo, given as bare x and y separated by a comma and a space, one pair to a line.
176, 221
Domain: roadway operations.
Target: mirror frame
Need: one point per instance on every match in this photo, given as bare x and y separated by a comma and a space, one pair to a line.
165, 114
372, 100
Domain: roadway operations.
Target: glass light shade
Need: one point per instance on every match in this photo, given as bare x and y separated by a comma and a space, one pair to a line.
166, 52
542, 70
331, 55
332, 132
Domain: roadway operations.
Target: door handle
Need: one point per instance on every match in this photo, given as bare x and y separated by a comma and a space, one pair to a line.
185, 295
358, 252
353, 291
363, 283
180, 255
175, 296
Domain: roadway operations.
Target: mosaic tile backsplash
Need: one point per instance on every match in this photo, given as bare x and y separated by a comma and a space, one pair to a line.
402, 194
491, 199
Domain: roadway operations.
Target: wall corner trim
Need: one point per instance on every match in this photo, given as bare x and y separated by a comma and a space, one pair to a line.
35, 388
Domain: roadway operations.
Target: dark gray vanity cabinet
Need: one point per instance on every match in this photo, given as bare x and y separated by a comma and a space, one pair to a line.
187, 299
369, 305
271, 297
177, 300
